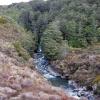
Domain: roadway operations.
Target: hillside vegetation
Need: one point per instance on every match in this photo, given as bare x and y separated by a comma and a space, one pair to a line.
78, 22
68, 32
18, 78
14, 35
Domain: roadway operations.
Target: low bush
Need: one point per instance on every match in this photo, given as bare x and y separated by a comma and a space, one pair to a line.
21, 51
3, 20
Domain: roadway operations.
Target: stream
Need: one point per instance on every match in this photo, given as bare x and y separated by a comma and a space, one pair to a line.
70, 86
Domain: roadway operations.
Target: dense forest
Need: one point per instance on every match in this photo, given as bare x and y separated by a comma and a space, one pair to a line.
58, 24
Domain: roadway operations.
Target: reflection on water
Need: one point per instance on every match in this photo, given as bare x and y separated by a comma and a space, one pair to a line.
58, 82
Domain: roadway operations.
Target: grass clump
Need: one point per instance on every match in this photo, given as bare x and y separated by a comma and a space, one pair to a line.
97, 79
21, 51
3, 20
27, 40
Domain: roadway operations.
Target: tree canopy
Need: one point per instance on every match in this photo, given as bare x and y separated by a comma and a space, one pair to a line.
75, 21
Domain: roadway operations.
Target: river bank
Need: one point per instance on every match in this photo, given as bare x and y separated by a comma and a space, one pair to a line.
82, 66
56, 79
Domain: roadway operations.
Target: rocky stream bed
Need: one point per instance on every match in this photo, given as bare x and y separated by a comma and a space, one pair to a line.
55, 79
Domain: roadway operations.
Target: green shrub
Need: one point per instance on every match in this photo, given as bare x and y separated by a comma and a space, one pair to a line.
28, 41
96, 80
77, 42
3, 20
21, 51
50, 48
53, 43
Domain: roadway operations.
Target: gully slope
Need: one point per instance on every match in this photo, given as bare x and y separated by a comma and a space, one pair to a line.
45, 68
17, 80
83, 66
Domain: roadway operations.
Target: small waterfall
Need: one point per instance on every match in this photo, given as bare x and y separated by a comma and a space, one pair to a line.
70, 87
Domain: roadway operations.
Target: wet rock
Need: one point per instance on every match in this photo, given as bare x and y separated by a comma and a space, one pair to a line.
89, 88
66, 76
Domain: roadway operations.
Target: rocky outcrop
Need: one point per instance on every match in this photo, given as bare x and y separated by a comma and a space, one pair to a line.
81, 67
